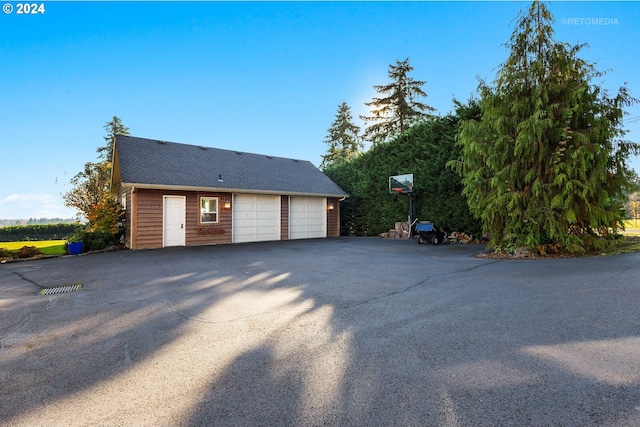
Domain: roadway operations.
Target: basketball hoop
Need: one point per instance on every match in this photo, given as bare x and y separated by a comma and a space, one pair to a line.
401, 184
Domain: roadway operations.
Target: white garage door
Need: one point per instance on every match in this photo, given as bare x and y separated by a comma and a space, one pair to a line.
256, 218
307, 217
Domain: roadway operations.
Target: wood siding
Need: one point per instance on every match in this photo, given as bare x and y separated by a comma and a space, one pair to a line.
208, 234
144, 218
284, 218
149, 219
333, 217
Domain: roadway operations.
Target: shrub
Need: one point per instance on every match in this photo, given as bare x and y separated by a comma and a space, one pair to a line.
106, 217
78, 236
97, 240
27, 252
106, 225
93, 240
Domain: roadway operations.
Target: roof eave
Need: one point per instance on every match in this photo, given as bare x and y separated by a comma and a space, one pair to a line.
226, 190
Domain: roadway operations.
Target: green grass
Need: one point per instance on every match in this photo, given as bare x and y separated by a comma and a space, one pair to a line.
48, 247
632, 227
628, 245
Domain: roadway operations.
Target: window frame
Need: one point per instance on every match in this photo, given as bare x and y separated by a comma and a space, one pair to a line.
201, 212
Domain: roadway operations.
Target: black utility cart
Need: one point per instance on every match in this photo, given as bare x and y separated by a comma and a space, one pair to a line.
428, 232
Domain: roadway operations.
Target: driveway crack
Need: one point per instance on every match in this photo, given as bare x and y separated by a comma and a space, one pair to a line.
26, 279
415, 285
26, 321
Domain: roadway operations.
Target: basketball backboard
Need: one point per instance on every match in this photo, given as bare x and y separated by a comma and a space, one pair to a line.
399, 184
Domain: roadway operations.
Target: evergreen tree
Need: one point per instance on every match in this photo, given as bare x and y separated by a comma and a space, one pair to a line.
91, 187
399, 108
113, 128
546, 165
343, 138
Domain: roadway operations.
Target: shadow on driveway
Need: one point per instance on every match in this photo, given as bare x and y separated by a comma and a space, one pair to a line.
349, 331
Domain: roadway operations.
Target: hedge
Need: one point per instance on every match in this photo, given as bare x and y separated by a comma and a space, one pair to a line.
424, 151
17, 233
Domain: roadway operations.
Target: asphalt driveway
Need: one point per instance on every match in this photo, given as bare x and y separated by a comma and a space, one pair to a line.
341, 332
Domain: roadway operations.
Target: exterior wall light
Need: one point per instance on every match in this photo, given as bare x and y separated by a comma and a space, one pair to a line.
227, 204
330, 206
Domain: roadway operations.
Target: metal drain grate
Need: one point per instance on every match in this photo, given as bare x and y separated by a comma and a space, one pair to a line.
60, 289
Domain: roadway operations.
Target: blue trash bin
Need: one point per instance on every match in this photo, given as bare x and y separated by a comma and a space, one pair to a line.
75, 248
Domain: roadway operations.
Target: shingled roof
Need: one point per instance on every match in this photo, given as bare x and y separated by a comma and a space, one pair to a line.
149, 163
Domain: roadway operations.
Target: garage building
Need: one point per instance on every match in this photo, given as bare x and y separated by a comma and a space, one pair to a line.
186, 195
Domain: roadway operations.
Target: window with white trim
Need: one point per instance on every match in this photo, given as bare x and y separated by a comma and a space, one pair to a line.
208, 210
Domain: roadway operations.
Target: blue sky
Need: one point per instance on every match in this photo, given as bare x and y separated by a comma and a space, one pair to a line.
263, 77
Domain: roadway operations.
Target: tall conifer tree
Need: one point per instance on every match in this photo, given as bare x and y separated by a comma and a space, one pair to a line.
113, 128
546, 166
399, 108
91, 186
343, 138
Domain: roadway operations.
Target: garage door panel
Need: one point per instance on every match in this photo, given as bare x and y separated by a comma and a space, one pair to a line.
307, 217
256, 218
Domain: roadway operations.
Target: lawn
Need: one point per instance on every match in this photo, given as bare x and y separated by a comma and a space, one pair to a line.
48, 247
632, 227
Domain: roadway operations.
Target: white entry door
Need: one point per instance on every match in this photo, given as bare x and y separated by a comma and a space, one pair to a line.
307, 217
256, 218
174, 221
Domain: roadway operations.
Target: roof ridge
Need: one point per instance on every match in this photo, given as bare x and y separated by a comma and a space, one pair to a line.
270, 156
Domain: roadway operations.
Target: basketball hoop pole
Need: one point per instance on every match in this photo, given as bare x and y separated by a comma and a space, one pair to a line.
411, 203
403, 184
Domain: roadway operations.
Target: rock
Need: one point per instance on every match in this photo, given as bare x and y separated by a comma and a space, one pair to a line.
522, 253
